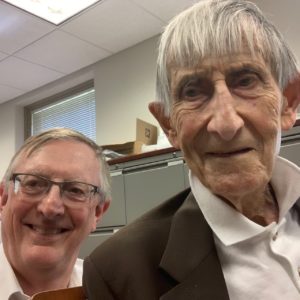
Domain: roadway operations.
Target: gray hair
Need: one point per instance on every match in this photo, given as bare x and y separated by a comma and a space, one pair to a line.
34, 143
216, 28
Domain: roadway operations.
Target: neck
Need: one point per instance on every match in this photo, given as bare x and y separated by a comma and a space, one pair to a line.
44, 280
260, 207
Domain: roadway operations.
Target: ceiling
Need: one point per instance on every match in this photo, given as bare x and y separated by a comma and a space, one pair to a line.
34, 52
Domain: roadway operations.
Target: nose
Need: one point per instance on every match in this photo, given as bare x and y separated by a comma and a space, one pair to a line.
224, 120
51, 205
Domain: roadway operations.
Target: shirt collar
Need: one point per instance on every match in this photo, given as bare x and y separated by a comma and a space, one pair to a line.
285, 182
232, 227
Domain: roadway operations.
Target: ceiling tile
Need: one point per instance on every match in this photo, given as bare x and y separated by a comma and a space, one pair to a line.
165, 9
2, 55
115, 25
7, 93
25, 76
18, 28
62, 52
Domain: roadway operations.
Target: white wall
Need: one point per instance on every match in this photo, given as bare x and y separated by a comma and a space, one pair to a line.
124, 84
11, 118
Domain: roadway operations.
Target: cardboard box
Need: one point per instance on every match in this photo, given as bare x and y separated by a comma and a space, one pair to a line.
146, 133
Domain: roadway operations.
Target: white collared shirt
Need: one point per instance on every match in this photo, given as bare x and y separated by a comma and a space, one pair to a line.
9, 285
258, 262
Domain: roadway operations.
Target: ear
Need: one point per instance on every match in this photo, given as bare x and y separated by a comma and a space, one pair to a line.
291, 101
3, 196
99, 211
157, 110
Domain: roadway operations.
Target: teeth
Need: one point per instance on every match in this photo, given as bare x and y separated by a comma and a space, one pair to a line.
46, 231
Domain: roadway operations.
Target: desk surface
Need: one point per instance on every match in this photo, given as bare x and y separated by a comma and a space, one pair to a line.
141, 155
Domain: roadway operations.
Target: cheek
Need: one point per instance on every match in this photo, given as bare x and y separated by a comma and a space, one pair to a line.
83, 219
186, 120
265, 113
16, 209
12, 215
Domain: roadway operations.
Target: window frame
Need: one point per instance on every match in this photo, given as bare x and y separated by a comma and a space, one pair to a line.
50, 100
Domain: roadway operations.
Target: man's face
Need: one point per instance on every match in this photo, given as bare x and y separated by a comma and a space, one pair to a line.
225, 118
47, 234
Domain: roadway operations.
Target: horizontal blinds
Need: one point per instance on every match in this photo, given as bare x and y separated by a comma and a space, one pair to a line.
77, 112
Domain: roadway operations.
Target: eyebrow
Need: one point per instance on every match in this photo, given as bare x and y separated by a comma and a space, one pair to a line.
207, 71
192, 74
188, 76
202, 73
245, 68
50, 174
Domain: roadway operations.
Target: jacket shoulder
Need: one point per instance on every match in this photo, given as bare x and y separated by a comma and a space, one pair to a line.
141, 243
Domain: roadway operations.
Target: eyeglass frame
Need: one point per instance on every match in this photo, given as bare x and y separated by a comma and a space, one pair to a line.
60, 184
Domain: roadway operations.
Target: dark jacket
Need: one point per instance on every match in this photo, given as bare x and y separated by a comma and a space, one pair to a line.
168, 254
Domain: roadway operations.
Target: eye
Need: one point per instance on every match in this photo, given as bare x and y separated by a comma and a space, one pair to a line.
194, 90
33, 184
76, 191
247, 81
191, 91
244, 80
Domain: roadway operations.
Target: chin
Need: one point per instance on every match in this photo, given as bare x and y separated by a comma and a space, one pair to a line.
44, 258
237, 185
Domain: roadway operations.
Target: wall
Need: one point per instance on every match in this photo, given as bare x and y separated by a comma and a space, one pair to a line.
124, 85
11, 118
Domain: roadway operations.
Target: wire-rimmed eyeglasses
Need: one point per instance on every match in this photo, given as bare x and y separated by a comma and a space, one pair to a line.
34, 187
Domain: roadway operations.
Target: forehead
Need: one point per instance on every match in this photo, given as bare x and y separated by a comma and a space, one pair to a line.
60, 157
59, 146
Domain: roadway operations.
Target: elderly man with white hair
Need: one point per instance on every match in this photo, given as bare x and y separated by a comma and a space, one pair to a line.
227, 84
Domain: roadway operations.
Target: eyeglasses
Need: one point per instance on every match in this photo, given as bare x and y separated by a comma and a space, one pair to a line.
34, 187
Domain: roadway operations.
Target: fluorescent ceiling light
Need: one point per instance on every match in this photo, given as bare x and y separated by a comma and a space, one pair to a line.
54, 11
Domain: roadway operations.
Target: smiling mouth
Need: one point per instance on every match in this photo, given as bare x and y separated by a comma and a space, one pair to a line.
230, 153
47, 231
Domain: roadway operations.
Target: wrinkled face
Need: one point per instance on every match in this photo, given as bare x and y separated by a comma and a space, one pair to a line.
47, 234
225, 118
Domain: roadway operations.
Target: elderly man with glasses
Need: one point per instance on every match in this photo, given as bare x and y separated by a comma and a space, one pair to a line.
55, 190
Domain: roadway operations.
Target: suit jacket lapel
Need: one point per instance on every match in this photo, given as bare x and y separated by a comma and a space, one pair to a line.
190, 257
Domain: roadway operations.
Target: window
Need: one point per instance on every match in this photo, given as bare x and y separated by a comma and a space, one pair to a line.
75, 108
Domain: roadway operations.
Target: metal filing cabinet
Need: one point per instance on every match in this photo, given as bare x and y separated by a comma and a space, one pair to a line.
138, 186
290, 145
94, 240
113, 219
148, 185
291, 151
116, 214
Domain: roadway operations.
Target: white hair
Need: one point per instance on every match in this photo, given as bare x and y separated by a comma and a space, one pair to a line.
217, 28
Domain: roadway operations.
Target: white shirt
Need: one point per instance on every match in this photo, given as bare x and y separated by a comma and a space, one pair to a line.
9, 285
258, 262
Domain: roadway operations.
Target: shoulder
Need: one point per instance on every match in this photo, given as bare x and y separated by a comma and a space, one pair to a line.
141, 242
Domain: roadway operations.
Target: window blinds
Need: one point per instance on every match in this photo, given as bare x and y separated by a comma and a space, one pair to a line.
77, 112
